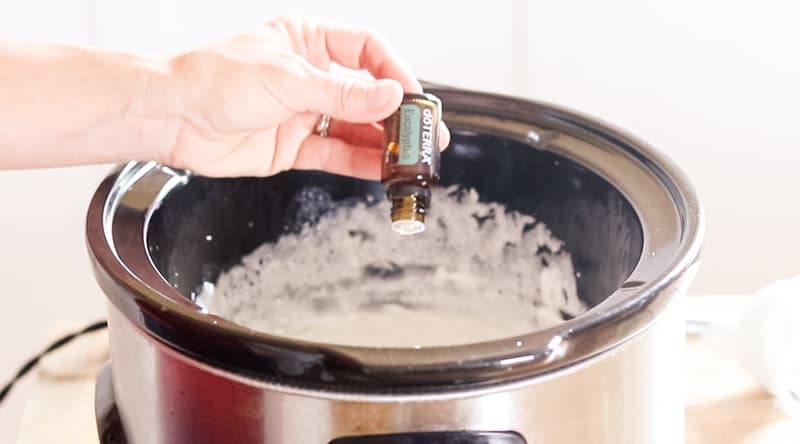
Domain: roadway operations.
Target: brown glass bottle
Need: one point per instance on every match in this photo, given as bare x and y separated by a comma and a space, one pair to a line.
411, 160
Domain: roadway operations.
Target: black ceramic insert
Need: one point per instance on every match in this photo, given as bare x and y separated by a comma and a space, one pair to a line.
599, 227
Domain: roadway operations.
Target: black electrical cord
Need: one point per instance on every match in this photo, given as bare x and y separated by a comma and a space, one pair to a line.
28, 366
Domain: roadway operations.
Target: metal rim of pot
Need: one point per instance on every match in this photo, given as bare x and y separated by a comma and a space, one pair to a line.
659, 192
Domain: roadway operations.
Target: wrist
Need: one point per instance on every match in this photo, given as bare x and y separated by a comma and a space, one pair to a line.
156, 109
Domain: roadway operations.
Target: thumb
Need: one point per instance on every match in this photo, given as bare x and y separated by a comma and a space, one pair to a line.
349, 98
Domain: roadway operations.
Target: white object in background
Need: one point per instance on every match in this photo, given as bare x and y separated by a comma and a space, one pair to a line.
766, 341
60, 406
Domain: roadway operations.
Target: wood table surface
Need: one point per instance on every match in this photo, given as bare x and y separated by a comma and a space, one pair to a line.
724, 404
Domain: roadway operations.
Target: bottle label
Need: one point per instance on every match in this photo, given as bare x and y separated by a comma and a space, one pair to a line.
408, 153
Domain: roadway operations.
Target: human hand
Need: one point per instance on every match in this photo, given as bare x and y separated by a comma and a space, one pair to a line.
249, 106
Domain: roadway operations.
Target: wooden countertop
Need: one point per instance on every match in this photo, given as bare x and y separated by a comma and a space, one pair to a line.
724, 405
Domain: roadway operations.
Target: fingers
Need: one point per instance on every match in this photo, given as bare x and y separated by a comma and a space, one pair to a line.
343, 97
371, 135
362, 49
350, 149
367, 135
336, 156
355, 99
352, 47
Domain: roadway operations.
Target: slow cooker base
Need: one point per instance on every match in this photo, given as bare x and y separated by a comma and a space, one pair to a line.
109, 424
110, 430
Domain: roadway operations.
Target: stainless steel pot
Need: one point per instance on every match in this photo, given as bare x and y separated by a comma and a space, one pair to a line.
628, 216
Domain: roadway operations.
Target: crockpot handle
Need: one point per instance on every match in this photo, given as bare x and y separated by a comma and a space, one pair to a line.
461, 437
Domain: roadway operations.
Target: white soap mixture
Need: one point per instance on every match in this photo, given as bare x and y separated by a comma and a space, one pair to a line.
478, 273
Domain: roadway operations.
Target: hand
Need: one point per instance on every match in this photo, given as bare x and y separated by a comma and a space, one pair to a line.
249, 106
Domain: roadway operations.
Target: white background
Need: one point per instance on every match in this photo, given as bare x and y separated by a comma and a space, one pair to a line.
713, 83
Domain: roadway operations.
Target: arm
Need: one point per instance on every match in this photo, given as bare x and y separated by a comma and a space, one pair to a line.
64, 106
247, 106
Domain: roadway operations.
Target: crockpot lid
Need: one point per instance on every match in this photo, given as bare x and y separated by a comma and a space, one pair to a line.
660, 194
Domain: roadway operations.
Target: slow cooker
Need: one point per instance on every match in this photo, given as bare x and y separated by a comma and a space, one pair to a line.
628, 216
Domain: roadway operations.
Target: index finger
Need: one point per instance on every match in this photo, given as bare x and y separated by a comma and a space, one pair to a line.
360, 48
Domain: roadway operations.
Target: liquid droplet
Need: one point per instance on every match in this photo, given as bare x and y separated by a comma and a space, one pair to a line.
408, 227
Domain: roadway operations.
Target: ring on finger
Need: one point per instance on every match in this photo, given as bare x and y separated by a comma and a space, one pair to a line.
322, 126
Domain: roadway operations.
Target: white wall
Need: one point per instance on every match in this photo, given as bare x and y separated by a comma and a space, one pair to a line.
43, 266
713, 83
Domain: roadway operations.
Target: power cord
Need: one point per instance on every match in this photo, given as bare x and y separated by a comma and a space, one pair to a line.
28, 366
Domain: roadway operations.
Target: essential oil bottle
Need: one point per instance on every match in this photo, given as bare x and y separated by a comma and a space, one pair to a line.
411, 160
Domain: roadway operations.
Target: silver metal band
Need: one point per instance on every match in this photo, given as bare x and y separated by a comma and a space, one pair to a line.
323, 125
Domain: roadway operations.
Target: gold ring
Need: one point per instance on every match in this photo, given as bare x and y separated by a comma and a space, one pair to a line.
323, 125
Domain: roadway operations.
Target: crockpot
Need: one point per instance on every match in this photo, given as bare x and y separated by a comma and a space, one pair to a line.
614, 374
